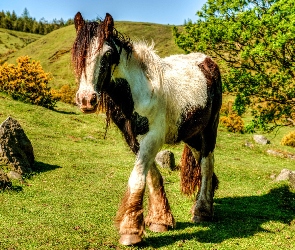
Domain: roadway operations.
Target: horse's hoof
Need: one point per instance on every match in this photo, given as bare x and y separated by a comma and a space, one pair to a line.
158, 228
129, 239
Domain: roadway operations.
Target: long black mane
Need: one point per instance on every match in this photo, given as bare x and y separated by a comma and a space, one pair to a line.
115, 97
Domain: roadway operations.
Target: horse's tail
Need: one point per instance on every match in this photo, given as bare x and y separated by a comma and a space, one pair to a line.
191, 173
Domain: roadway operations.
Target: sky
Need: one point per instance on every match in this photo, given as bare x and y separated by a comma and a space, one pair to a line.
173, 12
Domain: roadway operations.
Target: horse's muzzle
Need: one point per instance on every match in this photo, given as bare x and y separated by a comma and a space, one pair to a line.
87, 102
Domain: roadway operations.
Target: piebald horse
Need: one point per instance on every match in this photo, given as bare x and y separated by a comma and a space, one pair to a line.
153, 101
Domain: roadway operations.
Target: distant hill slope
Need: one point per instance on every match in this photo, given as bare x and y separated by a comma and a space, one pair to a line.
11, 41
53, 50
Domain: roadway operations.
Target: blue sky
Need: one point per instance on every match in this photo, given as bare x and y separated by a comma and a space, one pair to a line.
153, 11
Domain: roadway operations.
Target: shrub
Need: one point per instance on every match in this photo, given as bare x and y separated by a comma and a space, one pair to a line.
226, 108
65, 94
233, 123
27, 82
289, 139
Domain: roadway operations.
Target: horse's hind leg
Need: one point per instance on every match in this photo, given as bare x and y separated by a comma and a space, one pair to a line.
202, 147
203, 208
159, 216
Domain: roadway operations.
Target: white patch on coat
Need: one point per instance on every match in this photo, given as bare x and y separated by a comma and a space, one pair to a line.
89, 77
186, 87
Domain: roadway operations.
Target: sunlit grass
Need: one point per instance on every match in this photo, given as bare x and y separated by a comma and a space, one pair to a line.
71, 201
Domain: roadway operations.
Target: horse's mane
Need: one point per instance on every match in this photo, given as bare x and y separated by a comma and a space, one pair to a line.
105, 31
152, 65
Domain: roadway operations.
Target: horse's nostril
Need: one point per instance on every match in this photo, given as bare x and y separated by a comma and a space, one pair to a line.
94, 99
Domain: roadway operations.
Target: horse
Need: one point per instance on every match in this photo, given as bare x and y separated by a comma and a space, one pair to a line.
153, 101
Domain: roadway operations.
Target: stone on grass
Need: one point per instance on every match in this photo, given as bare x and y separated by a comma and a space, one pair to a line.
12, 175
284, 175
249, 144
292, 179
260, 139
287, 175
4, 180
280, 153
165, 159
16, 150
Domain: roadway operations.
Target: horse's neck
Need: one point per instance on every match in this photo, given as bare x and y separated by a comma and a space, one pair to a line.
131, 69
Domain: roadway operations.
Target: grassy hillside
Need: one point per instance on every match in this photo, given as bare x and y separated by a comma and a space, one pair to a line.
53, 50
11, 41
71, 201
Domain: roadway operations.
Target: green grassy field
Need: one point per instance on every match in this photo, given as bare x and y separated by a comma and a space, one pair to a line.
71, 200
11, 41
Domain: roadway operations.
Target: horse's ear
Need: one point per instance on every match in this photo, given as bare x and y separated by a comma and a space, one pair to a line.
79, 21
108, 25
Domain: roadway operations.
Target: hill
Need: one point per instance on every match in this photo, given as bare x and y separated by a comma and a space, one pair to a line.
53, 50
11, 41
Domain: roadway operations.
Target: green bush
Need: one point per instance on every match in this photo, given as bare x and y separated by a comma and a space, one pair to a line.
27, 82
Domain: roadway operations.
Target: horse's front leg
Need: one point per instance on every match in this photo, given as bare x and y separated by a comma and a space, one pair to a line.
129, 218
159, 216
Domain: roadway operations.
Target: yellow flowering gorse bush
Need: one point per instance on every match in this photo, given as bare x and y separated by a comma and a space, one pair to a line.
289, 139
27, 81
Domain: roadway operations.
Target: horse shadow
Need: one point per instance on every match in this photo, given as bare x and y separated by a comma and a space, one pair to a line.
235, 217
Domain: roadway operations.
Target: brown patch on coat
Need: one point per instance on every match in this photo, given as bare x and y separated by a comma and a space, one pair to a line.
159, 211
210, 70
190, 172
193, 120
129, 218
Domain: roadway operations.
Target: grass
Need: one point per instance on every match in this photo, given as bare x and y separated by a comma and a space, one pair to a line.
11, 41
71, 199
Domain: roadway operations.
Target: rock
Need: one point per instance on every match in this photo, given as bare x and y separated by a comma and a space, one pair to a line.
284, 175
16, 150
12, 175
260, 139
165, 159
292, 179
249, 144
272, 176
280, 154
4, 180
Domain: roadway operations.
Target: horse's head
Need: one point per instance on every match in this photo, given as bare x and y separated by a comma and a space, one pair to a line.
94, 54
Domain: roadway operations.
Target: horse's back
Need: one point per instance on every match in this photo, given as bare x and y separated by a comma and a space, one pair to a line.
192, 84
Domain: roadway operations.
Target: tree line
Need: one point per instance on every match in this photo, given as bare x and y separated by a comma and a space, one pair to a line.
9, 20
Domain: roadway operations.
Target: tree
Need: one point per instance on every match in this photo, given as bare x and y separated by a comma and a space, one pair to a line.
255, 41
26, 14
